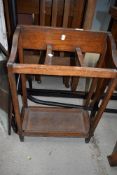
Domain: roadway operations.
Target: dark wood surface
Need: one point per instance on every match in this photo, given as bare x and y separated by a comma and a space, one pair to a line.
55, 122
48, 35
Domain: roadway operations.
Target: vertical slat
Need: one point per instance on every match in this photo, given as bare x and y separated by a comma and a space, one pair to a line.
48, 59
54, 13
89, 14
23, 77
42, 12
79, 61
80, 57
78, 13
66, 13
103, 105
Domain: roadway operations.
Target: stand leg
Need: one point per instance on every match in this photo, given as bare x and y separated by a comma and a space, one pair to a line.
21, 138
87, 140
66, 81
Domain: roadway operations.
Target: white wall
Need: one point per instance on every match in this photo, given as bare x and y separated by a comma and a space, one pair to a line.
3, 36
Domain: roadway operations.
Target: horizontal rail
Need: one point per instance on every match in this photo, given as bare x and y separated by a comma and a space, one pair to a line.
62, 70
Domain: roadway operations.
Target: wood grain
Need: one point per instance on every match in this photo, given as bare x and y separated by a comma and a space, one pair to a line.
52, 36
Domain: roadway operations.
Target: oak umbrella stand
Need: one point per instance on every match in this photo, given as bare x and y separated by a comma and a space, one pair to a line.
65, 119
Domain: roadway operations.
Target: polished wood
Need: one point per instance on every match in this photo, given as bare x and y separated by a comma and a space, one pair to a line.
67, 122
62, 70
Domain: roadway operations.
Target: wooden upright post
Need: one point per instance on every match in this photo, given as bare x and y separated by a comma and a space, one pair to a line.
91, 4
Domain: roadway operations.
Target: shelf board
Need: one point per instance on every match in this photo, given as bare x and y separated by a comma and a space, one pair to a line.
45, 121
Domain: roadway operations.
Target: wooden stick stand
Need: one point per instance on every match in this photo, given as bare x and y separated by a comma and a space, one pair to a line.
60, 121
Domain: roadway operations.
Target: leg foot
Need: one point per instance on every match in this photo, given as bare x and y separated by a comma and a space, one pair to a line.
74, 83
21, 138
87, 140
38, 78
30, 83
66, 81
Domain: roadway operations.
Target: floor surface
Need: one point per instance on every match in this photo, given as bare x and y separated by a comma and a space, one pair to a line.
59, 156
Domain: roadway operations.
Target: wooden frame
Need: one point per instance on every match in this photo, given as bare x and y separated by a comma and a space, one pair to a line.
34, 37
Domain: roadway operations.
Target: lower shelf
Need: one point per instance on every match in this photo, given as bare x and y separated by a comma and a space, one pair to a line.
44, 121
